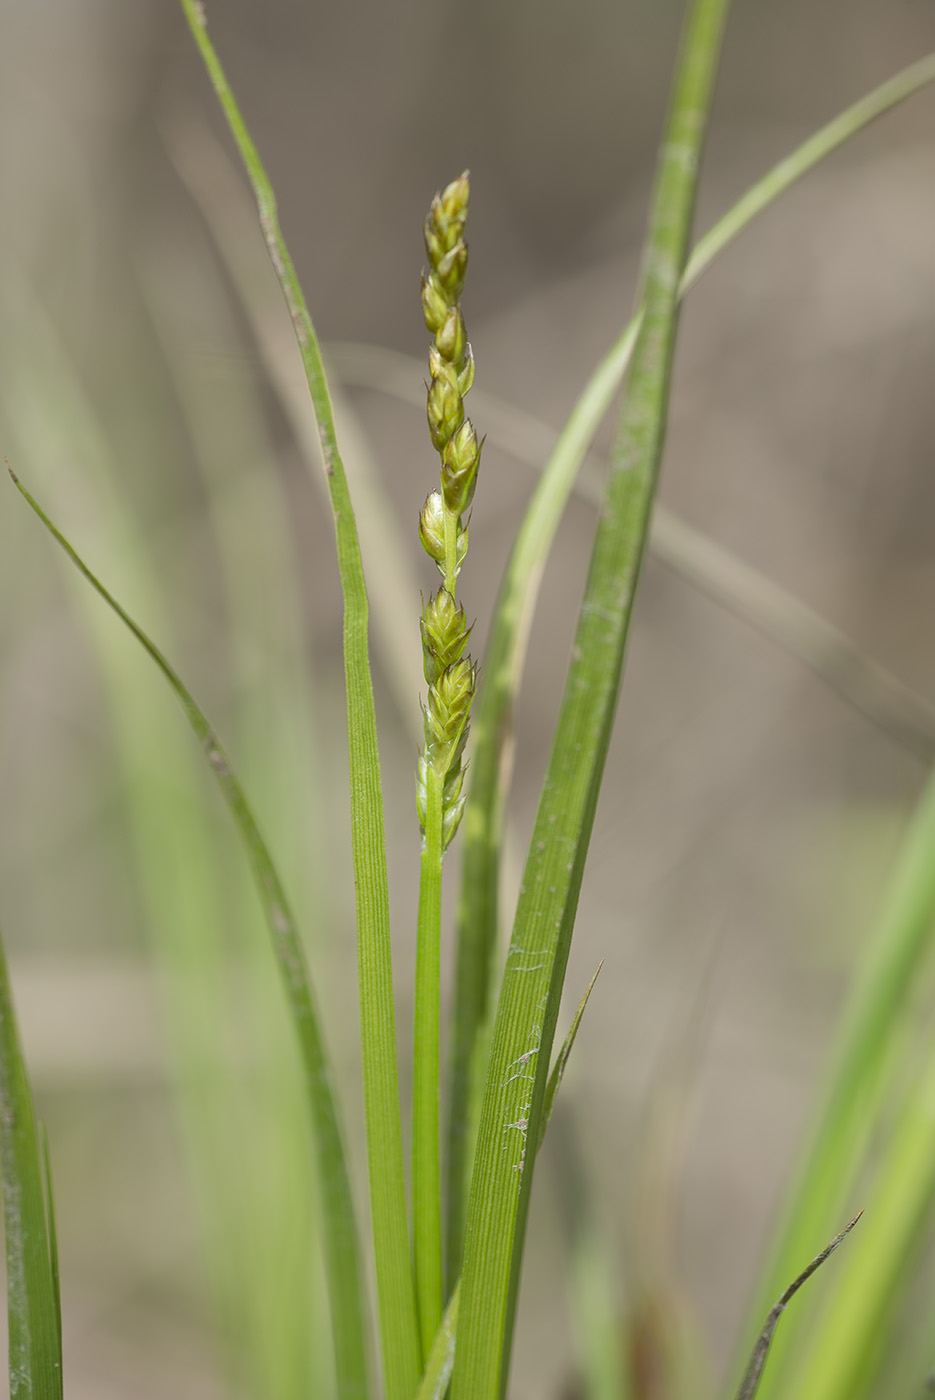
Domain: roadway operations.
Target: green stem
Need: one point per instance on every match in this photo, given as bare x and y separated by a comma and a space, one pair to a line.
426, 1168
398, 1325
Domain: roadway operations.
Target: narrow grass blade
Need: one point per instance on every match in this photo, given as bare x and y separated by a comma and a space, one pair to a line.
751, 1379
340, 1235
215, 185
442, 1353
804, 158
535, 969
503, 662
489, 776
398, 1327
33, 1305
873, 1030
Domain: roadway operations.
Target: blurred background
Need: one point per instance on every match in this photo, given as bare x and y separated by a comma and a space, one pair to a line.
750, 815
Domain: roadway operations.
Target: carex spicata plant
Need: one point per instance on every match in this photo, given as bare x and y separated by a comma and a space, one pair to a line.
451, 678
516, 1086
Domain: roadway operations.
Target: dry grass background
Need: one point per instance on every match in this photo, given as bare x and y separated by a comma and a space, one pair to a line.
749, 815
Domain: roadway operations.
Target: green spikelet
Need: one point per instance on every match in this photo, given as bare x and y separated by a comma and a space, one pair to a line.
450, 675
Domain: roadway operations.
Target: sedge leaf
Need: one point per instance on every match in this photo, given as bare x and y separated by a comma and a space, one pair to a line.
532, 983
441, 1355
505, 652
395, 1289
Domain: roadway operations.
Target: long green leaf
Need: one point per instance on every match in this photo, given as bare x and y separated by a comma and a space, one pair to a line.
398, 1327
441, 1354
216, 186
503, 660
339, 1229
538, 955
804, 158
33, 1306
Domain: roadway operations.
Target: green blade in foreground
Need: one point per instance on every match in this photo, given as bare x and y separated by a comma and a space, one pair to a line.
338, 1224
441, 1355
398, 1326
216, 186
538, 955
505, 653
33, 1307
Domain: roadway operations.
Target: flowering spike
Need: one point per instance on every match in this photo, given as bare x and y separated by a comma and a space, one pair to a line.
451, 676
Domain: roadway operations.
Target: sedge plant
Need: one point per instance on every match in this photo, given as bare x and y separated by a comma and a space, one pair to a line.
447, 1289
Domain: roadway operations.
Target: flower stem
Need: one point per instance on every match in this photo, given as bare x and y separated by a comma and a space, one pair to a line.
450, 676
426, 1170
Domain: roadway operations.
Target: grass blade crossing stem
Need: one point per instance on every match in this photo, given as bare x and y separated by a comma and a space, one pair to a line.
503, 660
398, 1327
538, 954
440, 1357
